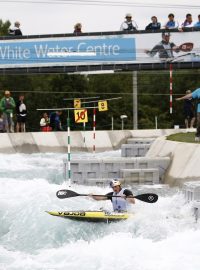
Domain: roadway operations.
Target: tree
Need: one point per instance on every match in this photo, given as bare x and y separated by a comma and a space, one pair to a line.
4, 26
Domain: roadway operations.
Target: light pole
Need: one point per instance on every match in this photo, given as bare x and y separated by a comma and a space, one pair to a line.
123, 116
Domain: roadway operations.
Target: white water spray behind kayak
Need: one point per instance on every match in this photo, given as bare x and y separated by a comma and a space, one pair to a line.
163, 235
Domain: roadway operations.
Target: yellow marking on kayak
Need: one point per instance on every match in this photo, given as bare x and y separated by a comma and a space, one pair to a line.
90, 215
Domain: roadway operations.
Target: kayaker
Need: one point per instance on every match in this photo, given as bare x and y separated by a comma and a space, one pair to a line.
120, 204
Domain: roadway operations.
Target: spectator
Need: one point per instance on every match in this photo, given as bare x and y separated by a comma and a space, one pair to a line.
7, 105
195, 95
55, 122
78, 28
171, 23
165, 48
2, 124
188, 22
189, 111
129, 24
21, 114
197, 24
154, 25
15, 31
45, 122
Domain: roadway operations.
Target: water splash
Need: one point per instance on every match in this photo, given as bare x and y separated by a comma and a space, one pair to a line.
163, 235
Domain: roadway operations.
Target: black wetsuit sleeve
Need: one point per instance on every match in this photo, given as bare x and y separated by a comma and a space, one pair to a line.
109, 196
127, 192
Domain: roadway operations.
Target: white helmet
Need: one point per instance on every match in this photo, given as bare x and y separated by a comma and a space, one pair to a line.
115, 183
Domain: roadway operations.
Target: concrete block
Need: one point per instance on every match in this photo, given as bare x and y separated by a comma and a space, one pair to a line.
102, 182
161, 163
140, 176
134, 150
196, 207
109, 168
192, 191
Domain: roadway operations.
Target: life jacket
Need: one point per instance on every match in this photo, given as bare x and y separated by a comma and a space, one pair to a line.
119, 204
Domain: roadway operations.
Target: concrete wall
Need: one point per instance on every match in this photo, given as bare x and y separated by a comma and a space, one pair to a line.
185, 160
133, 170
33, 142
185, 157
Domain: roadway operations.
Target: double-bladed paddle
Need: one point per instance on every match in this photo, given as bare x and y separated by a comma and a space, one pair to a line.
147, 197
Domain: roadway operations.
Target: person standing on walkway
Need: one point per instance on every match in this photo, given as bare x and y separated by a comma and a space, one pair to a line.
7, 106
21, 114
45, 122
195, 95
189, 112
55, 122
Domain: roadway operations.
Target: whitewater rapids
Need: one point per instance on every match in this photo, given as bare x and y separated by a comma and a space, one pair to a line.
160, 236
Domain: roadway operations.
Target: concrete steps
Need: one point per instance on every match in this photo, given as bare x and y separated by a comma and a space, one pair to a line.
136, 147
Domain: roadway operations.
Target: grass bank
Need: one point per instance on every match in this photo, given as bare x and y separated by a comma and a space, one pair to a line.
188, 137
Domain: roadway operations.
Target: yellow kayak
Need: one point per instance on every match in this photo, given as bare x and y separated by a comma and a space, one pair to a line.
92, 216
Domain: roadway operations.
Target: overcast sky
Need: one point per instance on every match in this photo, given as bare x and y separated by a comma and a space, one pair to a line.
54, 18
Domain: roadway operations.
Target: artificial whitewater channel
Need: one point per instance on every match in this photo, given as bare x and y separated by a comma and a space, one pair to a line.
160, 236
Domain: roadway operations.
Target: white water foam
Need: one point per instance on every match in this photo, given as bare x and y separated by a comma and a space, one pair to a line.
163, 235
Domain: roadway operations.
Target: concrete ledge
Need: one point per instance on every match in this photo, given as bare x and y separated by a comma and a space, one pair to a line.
140, 140
6, 145
47, 142
57, 141
28, 145
185, 160
102, 141
117, 137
